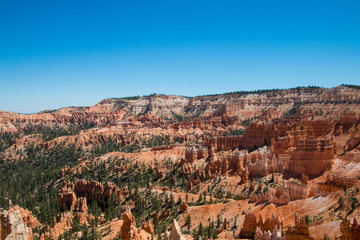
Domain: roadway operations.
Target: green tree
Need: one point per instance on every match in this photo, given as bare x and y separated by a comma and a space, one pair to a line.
341, 201
188, 223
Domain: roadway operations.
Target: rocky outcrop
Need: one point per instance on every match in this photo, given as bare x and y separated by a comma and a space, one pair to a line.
66, 197
301, 230
128, 229
223, 143
311, 157
148, 226
241, 163
192, 183
61, 223
176, 233
263, 162
13, 227
91, 189
278, 196
65, 171
81, 205
160, 172
296, 190
111, 189
194, 153
333, 183
333, 179
87, 188
206, 123
251, 222
350, 231
184, 207
296, 148
354, 141
27, 216
67, 201
268, 235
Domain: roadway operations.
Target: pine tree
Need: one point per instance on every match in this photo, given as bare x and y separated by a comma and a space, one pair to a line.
200, 198
188, 223
172, 202
179, 201
200, 230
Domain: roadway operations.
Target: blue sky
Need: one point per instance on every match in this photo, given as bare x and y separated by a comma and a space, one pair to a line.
76, 53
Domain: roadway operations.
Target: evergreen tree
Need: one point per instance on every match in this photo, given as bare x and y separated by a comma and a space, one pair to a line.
188, 223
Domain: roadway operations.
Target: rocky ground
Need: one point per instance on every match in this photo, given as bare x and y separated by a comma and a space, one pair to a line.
279, 164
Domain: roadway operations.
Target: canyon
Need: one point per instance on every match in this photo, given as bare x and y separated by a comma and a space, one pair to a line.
268, 164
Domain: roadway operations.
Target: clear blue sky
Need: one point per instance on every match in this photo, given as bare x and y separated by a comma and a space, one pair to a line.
63, 53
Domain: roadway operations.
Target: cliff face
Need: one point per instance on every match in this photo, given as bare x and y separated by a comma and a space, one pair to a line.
298, 148
242, 105
12, 226
311, 157
231, 107
17, 223
350, 230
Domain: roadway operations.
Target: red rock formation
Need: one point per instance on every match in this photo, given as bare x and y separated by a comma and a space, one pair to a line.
128, 229
160, 172
164, 214
81, 205
186, 169
111, 189
259, 134
17, 223
267, 235
183, 208
234, 164
301, 230
296, 190
167, 147
64, 171
27, 216
283, 194
295, 147
128, 206
194, 153
278, 196
206, 123
223, 143
61, 223
87, 189
311, 157
192, 183
270, 115
81, 209
225, 224
66, 197
148, 226
251, 223
263, 162
350, 231
335, 180
176, 233
244, 106
304, 179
